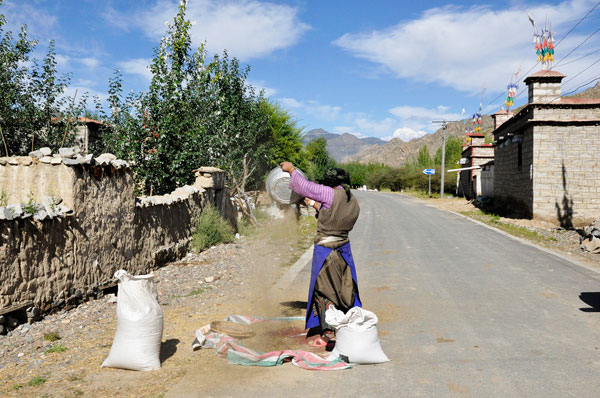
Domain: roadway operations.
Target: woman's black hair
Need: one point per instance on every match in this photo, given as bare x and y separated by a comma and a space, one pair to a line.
334, 177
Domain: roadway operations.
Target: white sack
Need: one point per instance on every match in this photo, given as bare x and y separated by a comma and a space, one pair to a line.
139, 325
356, 335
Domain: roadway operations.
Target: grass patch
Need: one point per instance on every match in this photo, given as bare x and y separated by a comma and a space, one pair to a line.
37, 381
56, 348
425, 194
30, 207
211, 229
75, 377
494, 221
196, 292
18, 386
52, 336
244, 226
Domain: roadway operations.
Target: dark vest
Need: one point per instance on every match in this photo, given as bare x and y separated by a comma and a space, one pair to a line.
339, 219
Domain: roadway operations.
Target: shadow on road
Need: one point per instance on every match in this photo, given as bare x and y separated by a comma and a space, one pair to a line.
293, 308
168, 349
592, 299
294, 304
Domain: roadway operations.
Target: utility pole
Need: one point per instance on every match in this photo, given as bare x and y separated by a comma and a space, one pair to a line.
444, 123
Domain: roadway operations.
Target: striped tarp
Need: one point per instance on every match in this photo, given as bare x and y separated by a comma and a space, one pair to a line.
230, 348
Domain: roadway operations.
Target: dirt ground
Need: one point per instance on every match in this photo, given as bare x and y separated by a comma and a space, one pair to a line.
548, 235
239, 274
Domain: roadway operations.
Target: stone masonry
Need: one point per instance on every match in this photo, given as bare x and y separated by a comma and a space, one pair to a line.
477, 153
547, 157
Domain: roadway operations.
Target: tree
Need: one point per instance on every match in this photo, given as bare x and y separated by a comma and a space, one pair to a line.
287, 137
453, 152
319, 158
194, 113
424, 158
33, 109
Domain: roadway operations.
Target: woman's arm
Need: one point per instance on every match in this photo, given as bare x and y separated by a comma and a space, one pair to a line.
303, 187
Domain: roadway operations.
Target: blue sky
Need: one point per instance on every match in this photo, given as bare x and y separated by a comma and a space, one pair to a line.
379, 68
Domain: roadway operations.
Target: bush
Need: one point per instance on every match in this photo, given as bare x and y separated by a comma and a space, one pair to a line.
211, 229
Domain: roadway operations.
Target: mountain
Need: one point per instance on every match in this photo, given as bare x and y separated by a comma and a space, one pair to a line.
317, 133
396, 151
592, 92
342, 146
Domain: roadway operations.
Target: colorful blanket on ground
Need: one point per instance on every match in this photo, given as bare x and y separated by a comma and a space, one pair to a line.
236, 353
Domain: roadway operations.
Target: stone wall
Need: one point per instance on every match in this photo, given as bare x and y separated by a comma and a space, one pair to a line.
513, 187
51, 262
469, 181
566, 176
487, 180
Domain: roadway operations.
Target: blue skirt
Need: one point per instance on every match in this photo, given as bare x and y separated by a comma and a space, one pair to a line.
320, 253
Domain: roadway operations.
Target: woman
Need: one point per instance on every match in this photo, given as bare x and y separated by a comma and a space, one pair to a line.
333, 277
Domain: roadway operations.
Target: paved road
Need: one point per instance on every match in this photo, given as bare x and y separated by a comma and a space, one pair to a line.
464, 311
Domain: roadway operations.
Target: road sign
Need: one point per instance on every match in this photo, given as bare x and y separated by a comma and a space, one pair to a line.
429, 171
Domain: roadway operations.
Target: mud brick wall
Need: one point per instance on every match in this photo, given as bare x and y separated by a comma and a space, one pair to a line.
59, 261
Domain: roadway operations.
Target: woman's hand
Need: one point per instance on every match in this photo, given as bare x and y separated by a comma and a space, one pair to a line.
311, 203
287, 166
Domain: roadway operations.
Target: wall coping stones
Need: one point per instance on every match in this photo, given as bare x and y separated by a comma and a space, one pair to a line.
66, 156
180, 194
49, 209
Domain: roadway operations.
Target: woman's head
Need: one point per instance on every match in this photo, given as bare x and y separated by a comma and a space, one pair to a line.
335, 177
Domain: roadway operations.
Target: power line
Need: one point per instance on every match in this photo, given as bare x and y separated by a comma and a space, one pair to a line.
583, 85
579, 45
582, 57
563, 58
577, 24
573, 77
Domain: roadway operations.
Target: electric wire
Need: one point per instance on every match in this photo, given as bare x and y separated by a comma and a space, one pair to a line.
582, 57
562, 59
579, 45
577, 24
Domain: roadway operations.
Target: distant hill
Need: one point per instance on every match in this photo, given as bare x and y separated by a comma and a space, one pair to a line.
396, 152
592, 92
342, 146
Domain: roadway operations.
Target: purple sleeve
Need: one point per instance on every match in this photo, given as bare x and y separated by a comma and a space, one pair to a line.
317, 192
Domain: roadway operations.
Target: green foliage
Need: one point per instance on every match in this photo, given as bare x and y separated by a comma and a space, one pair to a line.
365, 174
495, 221
56, 348
37, 381
287, 137
211, 229
194, 113
52, 336
195, 292
3, 198
319, 159
424, 157
410, 176
33, 110
30, 207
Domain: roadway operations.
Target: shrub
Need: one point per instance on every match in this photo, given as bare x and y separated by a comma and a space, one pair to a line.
211, 229
36, 381
56, 348
52, 336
